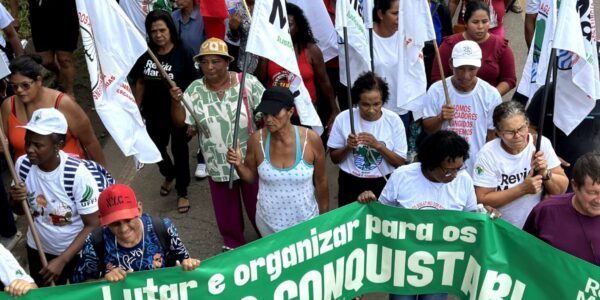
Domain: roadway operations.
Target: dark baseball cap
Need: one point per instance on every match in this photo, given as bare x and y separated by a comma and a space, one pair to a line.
274, 99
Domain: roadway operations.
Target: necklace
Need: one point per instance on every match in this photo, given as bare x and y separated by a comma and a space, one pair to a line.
143, 249
220, 92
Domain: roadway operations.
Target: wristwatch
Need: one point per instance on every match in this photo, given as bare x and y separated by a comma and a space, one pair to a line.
548, 175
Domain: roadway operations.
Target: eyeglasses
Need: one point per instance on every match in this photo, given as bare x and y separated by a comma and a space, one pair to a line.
23, 85
509, 134
452, 171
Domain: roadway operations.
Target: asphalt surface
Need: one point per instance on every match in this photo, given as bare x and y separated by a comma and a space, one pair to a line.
197, 228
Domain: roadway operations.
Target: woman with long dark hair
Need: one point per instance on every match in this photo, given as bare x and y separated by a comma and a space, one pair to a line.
310, 62
154, 99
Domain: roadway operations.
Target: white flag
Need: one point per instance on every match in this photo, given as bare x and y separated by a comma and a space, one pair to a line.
112, 45
347, 15
270, 38
321, 26
570, 30
415, 28
581, 84
368, 6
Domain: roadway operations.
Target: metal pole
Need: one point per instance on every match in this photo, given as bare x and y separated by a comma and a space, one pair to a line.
552, 66
348, 80
371, 50
236, 125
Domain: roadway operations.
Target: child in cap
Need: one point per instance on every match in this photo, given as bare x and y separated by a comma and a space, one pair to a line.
129, 240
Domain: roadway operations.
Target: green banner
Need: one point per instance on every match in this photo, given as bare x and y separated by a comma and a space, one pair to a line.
359, 249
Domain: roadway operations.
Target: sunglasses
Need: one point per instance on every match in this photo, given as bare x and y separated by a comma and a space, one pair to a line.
23, 85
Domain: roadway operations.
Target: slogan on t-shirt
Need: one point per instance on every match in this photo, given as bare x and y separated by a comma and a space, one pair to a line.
463, 121
150, 69
507, 181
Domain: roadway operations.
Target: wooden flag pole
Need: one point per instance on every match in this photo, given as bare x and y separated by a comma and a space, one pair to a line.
25, 205
440, 65
165, 76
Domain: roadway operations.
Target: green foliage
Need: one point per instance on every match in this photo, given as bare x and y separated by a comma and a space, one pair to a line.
23, 17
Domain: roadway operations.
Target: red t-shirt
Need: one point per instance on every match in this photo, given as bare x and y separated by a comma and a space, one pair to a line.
497, 63
279, 76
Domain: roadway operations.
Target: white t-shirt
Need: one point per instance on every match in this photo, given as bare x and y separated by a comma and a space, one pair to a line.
5, 20
532, 7
56, 216
409, 188
10, 268
496, 168
386, 62
472, 112
388, 130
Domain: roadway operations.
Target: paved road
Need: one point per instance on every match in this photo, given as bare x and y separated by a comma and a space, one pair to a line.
198, 228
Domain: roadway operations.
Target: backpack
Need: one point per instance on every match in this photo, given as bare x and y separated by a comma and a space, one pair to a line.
159, 228
103, 178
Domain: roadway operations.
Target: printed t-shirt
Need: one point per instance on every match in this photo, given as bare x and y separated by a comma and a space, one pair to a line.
279, 76
386, 61
556, 222
472, 112
496, 168
5, 20
179, 65
10, 270
409, 188
218, 116
146, 255
497, 62
55, 215
388, 130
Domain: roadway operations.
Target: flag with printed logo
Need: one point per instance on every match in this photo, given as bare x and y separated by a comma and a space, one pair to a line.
269, 22
348, 14
109, 58
568, 26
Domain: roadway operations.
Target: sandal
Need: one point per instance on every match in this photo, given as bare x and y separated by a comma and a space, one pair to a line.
166, 187
183, 208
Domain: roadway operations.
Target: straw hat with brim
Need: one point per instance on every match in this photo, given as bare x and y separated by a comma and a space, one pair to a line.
213, 46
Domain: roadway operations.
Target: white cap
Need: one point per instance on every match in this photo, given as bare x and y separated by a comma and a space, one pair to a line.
46, 121
466, 53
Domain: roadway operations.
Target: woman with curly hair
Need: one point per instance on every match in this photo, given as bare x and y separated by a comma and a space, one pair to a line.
378, 146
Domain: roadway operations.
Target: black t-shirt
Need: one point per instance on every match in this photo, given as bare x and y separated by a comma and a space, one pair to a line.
179, 65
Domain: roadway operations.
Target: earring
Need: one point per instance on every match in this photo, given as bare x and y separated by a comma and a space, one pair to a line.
57, 153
